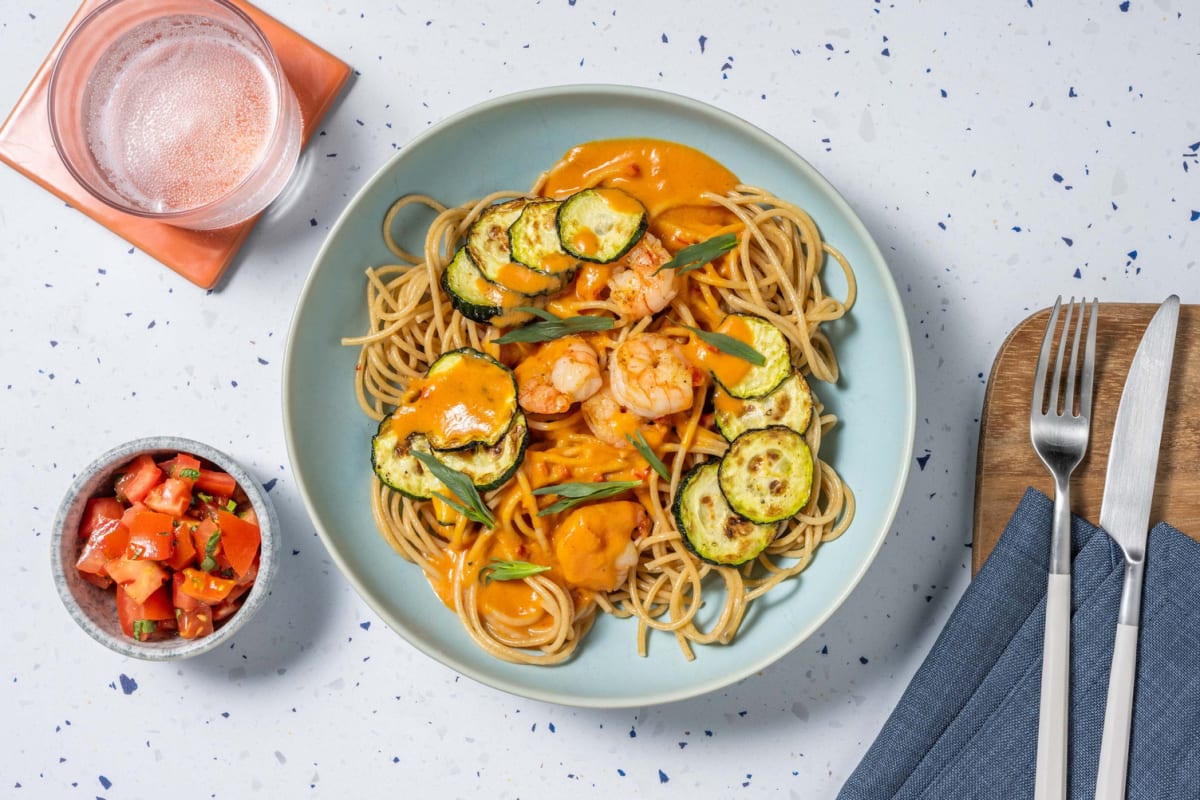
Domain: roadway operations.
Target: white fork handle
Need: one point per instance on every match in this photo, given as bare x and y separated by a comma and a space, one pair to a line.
1118, 716
1050, 781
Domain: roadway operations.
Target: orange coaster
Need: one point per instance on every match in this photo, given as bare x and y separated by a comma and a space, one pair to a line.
316, 77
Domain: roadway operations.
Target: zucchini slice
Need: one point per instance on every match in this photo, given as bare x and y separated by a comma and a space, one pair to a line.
477, 400
601, 225
394, 463
710, 528
766, 475
466, 398
487, 467
769, 341
487, 242
789, 404
477, 298
533, 240
491, 467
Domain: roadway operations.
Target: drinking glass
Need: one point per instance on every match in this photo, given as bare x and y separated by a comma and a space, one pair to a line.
176, 111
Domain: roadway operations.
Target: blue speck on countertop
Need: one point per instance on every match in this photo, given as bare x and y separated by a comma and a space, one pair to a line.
269, 485
105, 782
662, 777
128, 684
366, 626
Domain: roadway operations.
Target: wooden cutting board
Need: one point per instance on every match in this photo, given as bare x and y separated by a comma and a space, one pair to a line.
1007, 463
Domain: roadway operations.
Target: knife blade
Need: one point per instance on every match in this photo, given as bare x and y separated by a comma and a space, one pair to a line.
1125, 515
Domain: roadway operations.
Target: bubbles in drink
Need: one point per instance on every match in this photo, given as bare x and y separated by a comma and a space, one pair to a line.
178, 111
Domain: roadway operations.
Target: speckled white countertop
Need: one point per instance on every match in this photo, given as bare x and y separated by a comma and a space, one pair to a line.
1000, 154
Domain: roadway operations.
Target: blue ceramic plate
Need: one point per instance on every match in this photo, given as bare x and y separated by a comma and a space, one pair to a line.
505, 144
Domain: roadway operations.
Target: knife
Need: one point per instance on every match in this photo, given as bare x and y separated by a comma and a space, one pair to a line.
1125, 515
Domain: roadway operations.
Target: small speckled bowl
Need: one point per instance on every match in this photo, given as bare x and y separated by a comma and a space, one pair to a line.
95, 609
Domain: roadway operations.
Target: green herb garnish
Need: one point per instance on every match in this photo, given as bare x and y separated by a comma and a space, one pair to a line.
574, 494
499, 570
469, 503
143, 628
730, 345
639, 442
210, 549
552, 327
231, 506
695, 256
191, 474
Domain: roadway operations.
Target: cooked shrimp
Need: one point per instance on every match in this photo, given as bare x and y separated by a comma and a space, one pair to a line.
650, 376
634, 288
562, 372
609, 421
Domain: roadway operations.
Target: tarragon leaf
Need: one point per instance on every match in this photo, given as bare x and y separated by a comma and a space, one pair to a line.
574, 494
469, 503
695, 256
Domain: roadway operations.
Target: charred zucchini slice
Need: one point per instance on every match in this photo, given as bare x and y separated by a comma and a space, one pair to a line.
487, 467
789, 404
475, 397
766, 475
491, 467
487, 242
769, 341
394, 463
533, 240
710, 528
601, 225
466, 398
477, 298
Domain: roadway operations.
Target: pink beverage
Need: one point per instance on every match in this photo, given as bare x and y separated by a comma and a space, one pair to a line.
184, 117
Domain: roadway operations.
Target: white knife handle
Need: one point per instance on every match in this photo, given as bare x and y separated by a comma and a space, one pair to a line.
1118, 716
1050, 782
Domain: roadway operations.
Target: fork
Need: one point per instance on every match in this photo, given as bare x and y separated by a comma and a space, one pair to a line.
1060, 438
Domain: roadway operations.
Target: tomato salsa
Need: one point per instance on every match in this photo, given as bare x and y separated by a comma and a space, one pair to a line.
179, 541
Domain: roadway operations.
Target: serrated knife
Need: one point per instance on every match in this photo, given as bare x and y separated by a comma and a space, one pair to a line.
1125, 515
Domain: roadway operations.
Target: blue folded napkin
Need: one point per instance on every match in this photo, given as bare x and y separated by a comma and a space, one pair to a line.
966, 727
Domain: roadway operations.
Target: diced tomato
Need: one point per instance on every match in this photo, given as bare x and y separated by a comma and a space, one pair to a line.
204, 586
185, 548
183, 466
172, 496
216, 483
180, 598
207, 539
102, 580
195, 622
107, 541
250, 515
97, 510
138, 577
156, 609
151, 536
240, 540
137, 479
207, 505
227, 608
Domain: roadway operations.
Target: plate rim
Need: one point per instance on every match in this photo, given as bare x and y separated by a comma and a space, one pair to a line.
761, 138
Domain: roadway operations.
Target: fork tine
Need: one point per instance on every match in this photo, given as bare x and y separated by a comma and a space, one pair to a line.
1073, 372
1089, 364
1058, 361
1039, 379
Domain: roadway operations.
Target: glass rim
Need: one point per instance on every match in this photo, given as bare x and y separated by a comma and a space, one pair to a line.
280, 79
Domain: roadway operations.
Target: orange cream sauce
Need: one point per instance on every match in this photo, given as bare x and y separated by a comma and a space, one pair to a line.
727, 369
464, 403
669, 179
